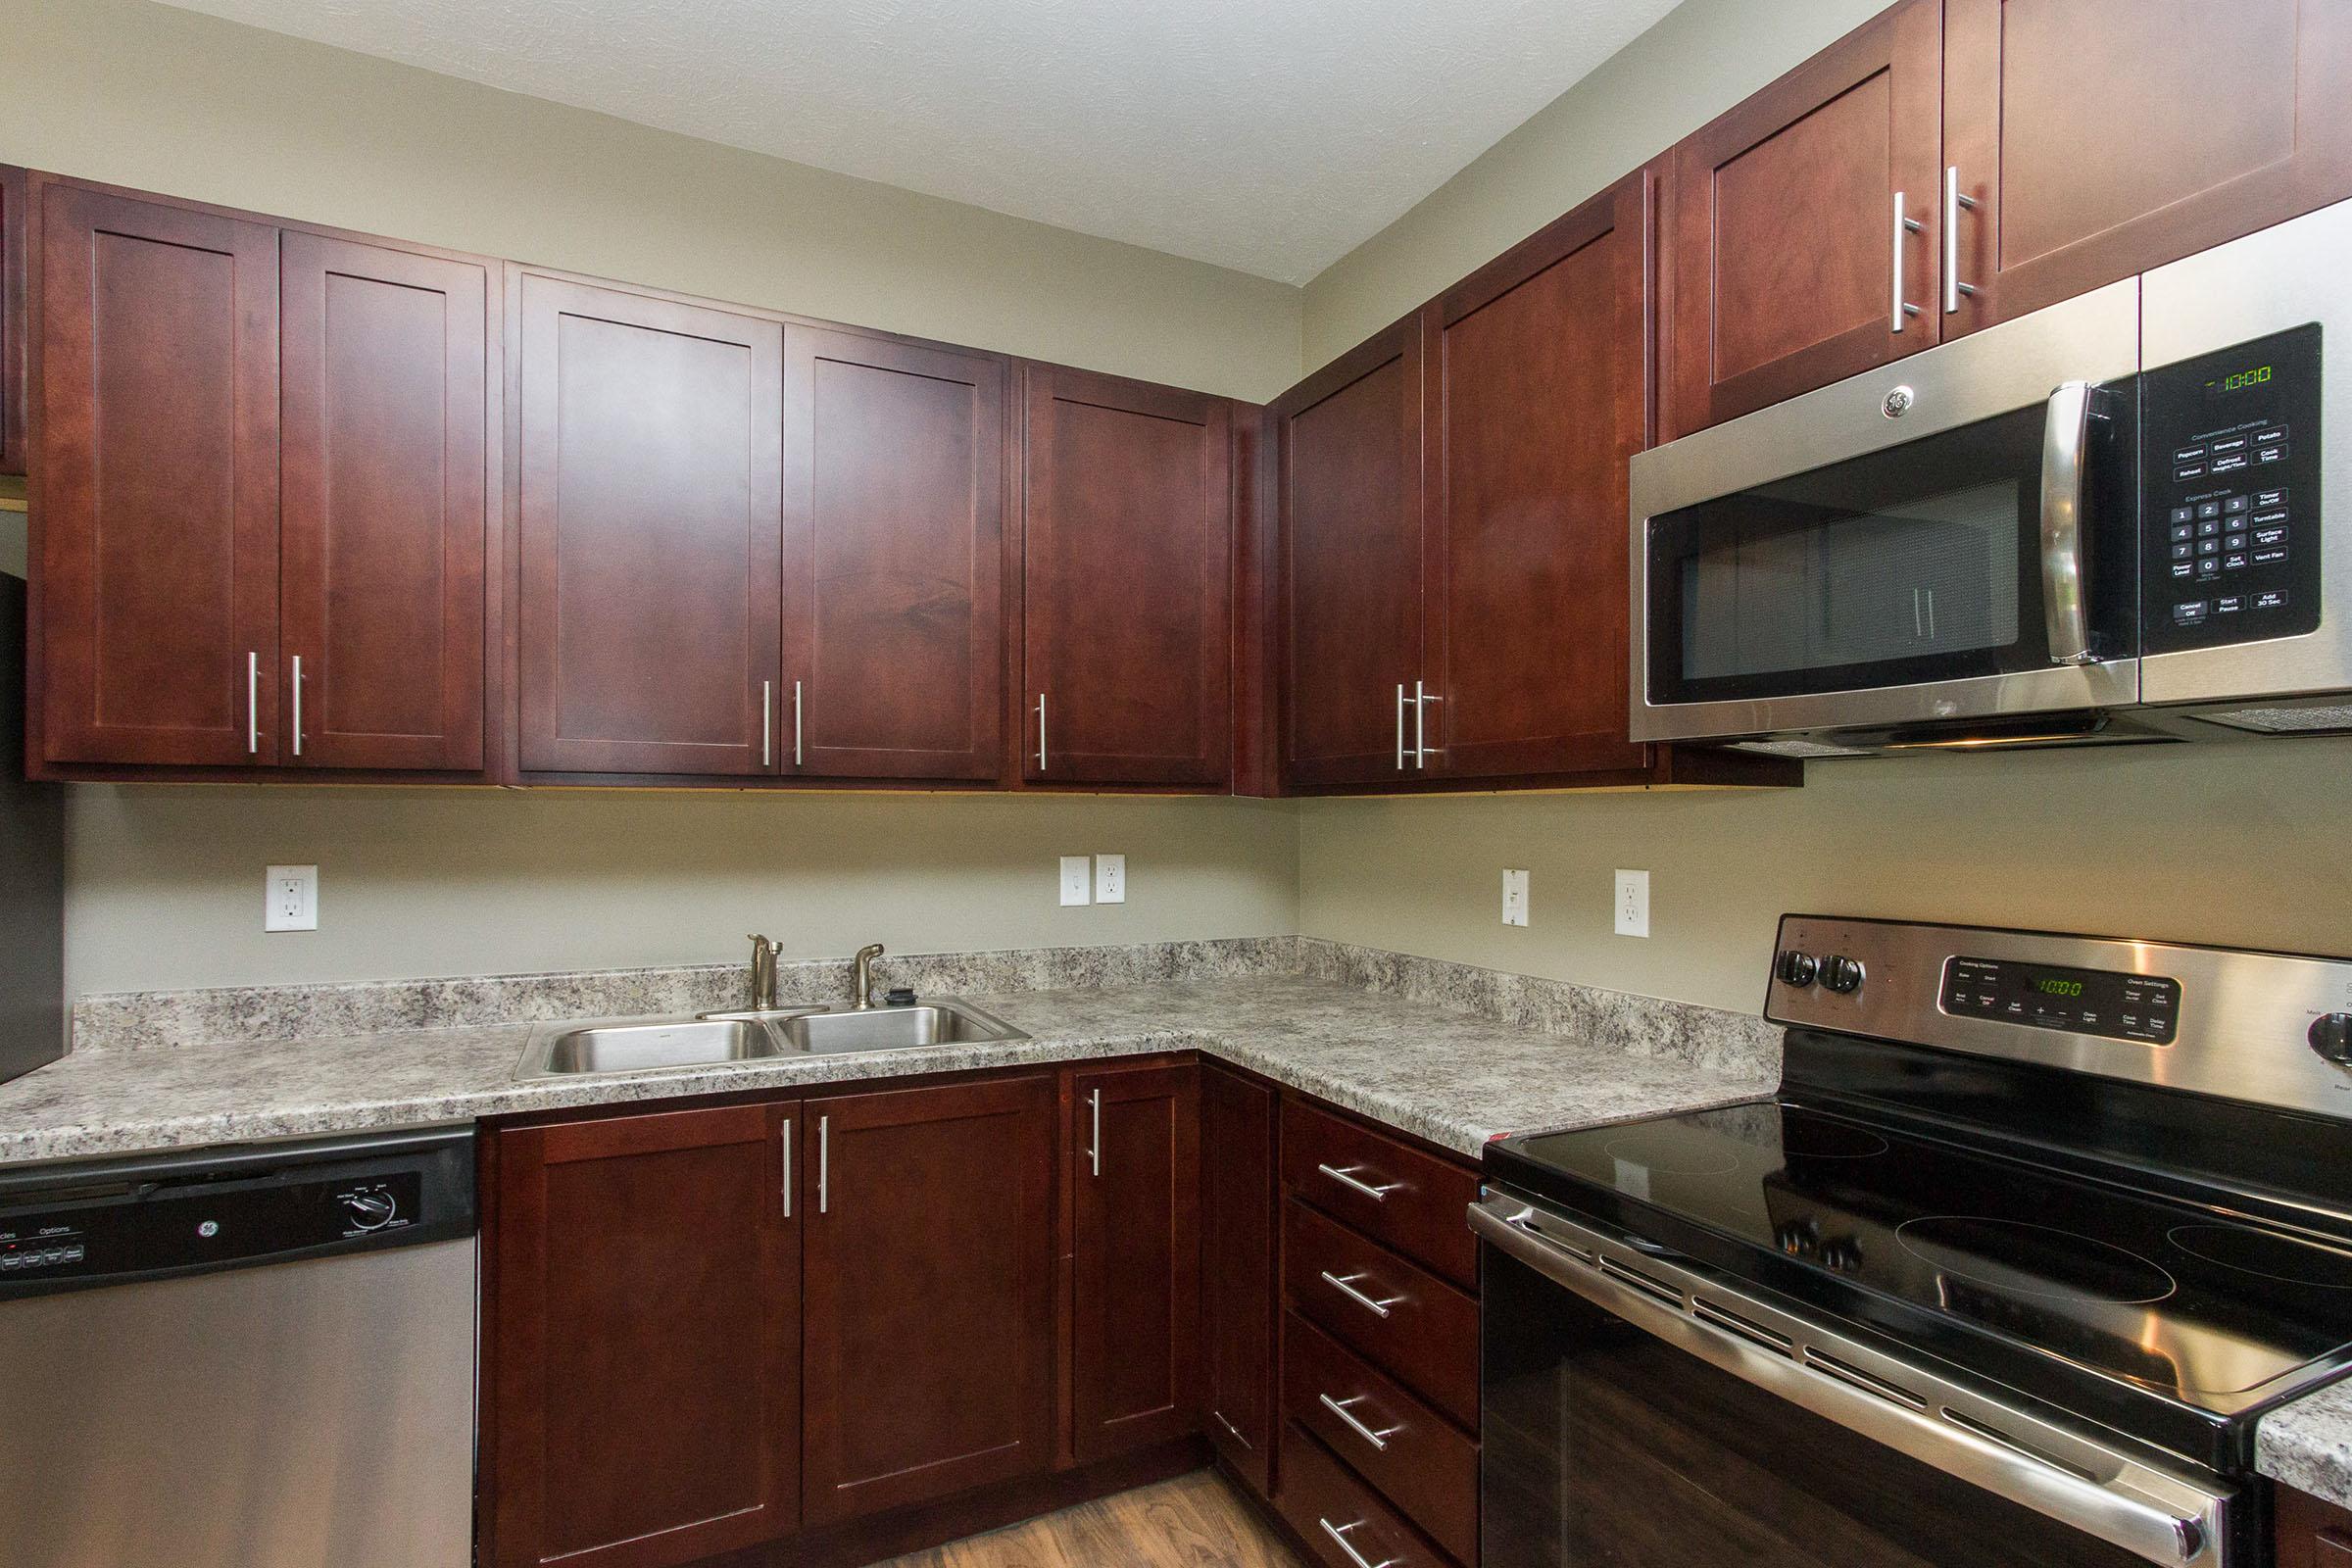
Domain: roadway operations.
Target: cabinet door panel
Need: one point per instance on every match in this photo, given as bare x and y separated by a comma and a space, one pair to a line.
159, 518
1783, 224
1537, 377
386, 506
1237, 1282
2099, 141
13, 349
928, 1333
1135, 1362
894, 557
642, 1302
652, 478
1350, 509
1127, 553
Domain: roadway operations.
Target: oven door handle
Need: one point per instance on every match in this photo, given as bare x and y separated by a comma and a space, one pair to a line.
2157, 1515
2065, 592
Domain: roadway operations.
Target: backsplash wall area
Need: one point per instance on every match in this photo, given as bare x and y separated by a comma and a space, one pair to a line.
2234, 844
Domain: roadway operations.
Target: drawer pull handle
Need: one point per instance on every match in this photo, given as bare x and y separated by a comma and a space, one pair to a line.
1377, 1307
1339, 1534
1340, 1407
1238, 1435
1348, 1178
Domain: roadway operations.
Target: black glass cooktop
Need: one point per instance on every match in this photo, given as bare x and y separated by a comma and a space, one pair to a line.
2046, 1279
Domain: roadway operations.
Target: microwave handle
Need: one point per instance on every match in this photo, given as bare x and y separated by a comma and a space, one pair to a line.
2065, 608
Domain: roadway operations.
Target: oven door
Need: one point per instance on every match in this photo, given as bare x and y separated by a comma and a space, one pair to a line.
1638, 1414
1953, 537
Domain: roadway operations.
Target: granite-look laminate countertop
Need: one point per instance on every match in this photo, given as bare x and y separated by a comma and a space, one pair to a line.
2308, 1445
1451, 1077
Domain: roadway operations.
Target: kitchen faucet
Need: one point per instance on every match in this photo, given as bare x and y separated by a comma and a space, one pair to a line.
861, 976
764, 974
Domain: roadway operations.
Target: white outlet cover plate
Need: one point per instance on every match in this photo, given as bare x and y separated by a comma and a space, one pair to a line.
1514, 897
1632, 904
1077, 876
290, 897
1110, 879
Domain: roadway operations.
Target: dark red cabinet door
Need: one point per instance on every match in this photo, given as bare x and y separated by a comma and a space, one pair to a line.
384, 521
893, 559
652, 478
1535, 387
13, 231
1347, 477
1127, 549
928, 1326
2100, 140
1786, 240
158, 532
1136, 1168
640, 1372
1237, 1278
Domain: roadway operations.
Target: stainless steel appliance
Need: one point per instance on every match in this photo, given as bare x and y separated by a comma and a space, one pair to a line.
257, 1358
2102, 522
2035, 1230
32, 873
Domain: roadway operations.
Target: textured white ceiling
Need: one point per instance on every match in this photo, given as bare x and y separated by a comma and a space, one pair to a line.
1267, 135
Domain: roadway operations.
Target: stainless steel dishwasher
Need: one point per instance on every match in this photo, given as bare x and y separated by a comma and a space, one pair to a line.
254, 1357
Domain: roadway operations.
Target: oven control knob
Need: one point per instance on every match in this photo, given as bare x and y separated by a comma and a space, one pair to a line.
369, 1211
1798, 968
1799, 1237
2331, 1036
1841, 973
1842, 1255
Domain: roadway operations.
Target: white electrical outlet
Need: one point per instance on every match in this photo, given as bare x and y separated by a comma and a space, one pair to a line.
1514, 897
1632, 904
1110, 879
1077, 872
290, 899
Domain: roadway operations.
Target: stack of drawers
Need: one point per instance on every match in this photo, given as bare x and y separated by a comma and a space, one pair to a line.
1378, 1382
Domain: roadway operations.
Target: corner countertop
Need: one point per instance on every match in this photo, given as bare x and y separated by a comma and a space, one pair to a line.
1453, 1078
2308, 1445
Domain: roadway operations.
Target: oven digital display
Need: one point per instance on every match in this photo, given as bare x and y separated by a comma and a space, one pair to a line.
2084, 1001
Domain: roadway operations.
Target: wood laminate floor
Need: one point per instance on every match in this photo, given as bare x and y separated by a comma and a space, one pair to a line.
1194, 1521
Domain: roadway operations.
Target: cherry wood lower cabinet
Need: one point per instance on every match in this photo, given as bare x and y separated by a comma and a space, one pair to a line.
2311, 1533
13, 382
1135, 1169
641, 1316
928, 1335
1237, 1280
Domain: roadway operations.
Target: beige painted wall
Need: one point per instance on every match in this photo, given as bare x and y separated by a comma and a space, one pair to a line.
2235, 844
167, 880
166, 100
1701, 58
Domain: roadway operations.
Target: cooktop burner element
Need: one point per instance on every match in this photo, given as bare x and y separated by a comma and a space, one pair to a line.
1815, 1138
2272, 1256
2026, 1259
1662, 1153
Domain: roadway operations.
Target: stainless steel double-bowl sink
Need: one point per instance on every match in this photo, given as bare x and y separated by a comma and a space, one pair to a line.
719, 1039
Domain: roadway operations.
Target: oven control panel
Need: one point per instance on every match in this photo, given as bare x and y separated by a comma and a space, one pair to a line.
2230, 519
2049, 996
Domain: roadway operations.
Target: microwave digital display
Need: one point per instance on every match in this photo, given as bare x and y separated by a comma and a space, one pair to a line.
2239, 380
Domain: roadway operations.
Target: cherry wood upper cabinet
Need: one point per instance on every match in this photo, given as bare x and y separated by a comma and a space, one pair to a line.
893, 559
1536, 393
384, 497
651, 470
1347, 478
1127, 554
1237, 1282
1137, 1169
13, 382
929, 1329
639, 1369
157, 537
1790, 264
2097, 140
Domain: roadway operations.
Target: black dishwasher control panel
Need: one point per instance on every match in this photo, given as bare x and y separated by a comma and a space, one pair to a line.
75, 1227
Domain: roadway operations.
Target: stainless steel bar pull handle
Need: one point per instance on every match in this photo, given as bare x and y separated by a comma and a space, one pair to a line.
1348, 1178
253, 705
1422, 698
796, 723
297, 680
1041, 732
1901, 311
825, 1164
1344, 1284
767, 723
2066, 614
788, 1167
1401, 701
1955, 199
1339, 1534
1343, 1409
1093, 1146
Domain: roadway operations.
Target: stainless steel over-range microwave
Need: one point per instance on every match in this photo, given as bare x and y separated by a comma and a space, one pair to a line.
2102, 522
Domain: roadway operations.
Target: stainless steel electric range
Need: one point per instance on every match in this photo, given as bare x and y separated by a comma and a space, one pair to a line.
2035, 1230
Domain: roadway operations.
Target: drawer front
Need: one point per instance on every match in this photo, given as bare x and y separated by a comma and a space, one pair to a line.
1418, 1459
1344, 1522
1411, 1201
1405, 1320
